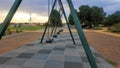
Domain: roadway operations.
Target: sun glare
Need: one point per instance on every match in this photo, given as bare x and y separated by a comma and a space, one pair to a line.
24, 17
21, 17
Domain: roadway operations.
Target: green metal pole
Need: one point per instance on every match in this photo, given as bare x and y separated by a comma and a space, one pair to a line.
48, 21
9, 17
52, 30
82, 36
60, 3
55, 29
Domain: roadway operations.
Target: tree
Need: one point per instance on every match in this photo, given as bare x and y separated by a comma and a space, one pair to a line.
91, 16
112, 19
71, 21
70, 18
85, 15
55, 19
97, 16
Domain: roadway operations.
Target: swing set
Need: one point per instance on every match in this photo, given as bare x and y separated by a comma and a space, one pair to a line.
81, 35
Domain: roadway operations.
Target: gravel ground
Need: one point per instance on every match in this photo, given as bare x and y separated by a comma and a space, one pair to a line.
107, 45
14, 41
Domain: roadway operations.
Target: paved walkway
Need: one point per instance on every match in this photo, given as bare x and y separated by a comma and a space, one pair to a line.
60, 54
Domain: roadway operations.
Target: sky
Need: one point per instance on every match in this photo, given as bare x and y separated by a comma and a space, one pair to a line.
38, 9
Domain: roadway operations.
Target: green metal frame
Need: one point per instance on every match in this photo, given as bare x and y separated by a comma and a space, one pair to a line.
89, 54
63, 11
48, 21
82, 36
9, 17
53, 30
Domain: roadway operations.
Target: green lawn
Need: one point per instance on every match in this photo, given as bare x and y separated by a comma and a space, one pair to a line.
29, 28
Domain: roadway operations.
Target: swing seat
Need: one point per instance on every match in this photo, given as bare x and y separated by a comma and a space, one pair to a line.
58, 33
49, 40
55, 36
61, 30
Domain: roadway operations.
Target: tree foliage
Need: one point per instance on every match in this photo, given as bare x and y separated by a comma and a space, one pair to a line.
113, 19
55, 19
91, 16
97, 15
70, 18
71, 21
94, 16
85, 15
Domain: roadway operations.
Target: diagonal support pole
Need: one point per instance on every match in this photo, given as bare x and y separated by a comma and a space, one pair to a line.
82, 36
48, 21
63, 11
53, 30
9, 17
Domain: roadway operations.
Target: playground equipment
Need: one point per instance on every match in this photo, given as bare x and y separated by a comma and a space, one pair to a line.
76, 20
49, 38
49, 20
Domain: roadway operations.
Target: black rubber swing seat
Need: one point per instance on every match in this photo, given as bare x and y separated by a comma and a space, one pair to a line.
49, 40
55, 36
58, 32
61, 30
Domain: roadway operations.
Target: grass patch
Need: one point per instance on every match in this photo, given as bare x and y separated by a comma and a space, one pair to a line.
111, 62
98, 28
29, 28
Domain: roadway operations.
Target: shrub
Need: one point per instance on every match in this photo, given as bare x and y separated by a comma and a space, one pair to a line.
115, 28
7, 32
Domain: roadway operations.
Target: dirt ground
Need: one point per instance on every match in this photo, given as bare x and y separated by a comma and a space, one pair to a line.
107, 45
14, 41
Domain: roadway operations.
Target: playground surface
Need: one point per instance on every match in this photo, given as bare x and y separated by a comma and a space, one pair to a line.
60, 54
